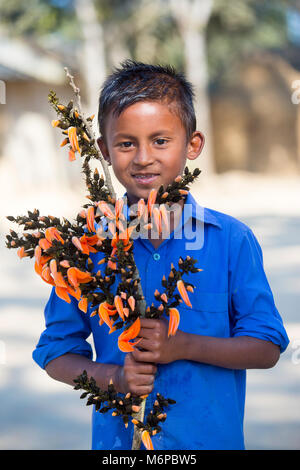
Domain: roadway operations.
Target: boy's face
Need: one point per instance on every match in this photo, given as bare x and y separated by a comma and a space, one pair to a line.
147, 147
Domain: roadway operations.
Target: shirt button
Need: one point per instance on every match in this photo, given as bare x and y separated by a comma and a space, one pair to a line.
156, 256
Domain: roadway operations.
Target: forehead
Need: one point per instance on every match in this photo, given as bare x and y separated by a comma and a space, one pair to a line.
144, 116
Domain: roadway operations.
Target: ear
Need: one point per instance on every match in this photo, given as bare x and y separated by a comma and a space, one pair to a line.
104, 150
195, 145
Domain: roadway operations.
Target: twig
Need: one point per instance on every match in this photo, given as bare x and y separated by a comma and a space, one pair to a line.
91, 134
136, 441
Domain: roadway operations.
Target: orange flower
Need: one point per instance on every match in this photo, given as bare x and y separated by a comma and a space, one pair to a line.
183, 292
131, 302
146, 439
173, 321
83, 304
129, 334
141, 208
45, 244
76, 242
119, 306
164, 215
151, 200
52, 233
38, 254
76, 277
105, 209
105, 313
90, 218
21, 252
157, 218
63, 294
73, 139
118, 207
72, 156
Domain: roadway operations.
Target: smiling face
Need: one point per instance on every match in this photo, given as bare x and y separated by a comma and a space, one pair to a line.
147, 147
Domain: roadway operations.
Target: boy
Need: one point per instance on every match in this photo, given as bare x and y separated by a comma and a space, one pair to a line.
148, 131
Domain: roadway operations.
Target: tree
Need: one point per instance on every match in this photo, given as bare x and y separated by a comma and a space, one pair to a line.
192, 17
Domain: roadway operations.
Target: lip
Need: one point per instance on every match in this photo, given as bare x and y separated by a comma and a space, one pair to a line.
146, 180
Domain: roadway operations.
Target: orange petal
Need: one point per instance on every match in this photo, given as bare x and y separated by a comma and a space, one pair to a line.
141, 206
64, 263
72, 278
46, 275
146, 439
72, 156
125, 346
73, 139
77, 243
118, 207
131, 302
164, 215
82, 276
112, 265
21, 252
45, 244
103, 314
119, 306
74, 292
59, 280
173, 321
183, 292
38, 268
151, 200
157, 218
90, 218
53, 267
126, 311
38, 254
131, 332
64, 142
105, 209
83, 304
63, 294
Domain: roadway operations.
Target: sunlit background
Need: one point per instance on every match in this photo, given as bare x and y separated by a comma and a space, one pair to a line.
243, 57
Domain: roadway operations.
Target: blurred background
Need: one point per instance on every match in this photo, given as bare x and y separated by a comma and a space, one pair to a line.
243, 58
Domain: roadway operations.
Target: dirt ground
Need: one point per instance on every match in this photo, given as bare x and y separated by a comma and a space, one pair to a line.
39, 413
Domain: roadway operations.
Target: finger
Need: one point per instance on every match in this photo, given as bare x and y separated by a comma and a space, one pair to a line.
142, 390
146, 368
147, 345
149, 323
144, 356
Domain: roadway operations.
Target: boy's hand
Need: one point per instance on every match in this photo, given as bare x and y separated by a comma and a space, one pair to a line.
155, 345
136, 377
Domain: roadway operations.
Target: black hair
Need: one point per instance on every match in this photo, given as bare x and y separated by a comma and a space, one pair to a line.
135, 81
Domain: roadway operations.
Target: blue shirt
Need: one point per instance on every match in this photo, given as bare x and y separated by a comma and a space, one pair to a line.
232, 298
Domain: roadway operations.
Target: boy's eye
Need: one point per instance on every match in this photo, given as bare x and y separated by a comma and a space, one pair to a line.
161, 141
125, 144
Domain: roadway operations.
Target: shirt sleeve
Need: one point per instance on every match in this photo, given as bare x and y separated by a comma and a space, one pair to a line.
66, 331
252, 304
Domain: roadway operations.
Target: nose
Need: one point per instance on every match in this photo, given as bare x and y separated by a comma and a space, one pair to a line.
143, 155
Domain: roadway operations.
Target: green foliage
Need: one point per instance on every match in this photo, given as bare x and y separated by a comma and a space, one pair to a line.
238, 29
36, 18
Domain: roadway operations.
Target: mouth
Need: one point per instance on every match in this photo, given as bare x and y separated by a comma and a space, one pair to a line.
145, 178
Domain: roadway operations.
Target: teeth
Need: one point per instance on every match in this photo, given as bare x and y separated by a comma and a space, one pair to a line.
144, 176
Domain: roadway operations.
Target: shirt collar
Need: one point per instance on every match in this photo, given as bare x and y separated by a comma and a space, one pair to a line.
191, 209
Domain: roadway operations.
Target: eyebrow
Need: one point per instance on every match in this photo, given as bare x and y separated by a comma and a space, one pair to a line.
155, 134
